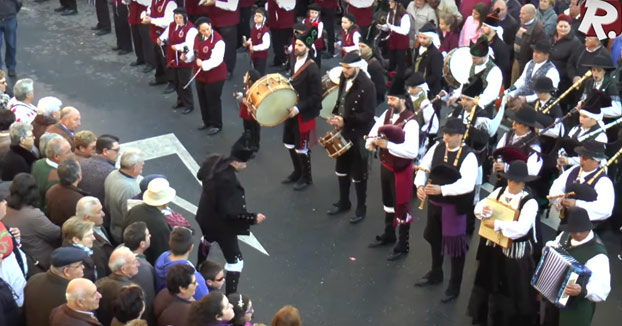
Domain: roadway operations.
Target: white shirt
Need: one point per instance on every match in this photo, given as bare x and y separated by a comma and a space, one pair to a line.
409, 148
598, 210
23, 112
11, 273
526, 218
164, 21
599, 284
145, 3
462, 186
428, 114
265, 41
286, 4
404, 27
534, 162
215, 59
356, 37
494, 81
228, 5
189, 40
552, 73
602, 138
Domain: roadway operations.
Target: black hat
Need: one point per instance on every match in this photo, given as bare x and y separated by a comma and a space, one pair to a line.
492, 20
527, 116
300, 27
308, 37
543, 46
473, 88
600, 61
314, 7
543, 85
594, 102
577, 220
480, 47
518, 172
454, 126
350, 17
593, 149
240, 151
415, 79
351, 57
397, 88
428, 27
64, 256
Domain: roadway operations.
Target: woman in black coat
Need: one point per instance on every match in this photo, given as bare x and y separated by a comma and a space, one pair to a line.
564, 44
19, 158
222, 213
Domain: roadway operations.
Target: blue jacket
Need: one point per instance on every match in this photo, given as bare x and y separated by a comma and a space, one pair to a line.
164, 263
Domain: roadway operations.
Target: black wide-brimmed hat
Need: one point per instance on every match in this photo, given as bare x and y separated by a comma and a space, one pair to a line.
527, 116
593, 149
480, 47
600, 61
543, 46
473, 88
577, 220
454, 126
543, 85
314, 7
518, 172
415, 79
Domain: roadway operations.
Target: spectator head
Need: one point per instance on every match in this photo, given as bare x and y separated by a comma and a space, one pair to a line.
419, 3
49, 106
7, 118
479, 12
85, 143
108, 147
527, 13
545, 5
20, 134
123, 261
574, 8
204, 25
213, 273
129, 304
592, 43
82, 295
3, 82
44, 140
180, 241
90, 208
212, 308
136, 236
69, 172
501, 7
78, 231
24, 90
447, 22
242, 307
23, 192
286, 316
132, 161
67, 262
70, 118
158, 193
180, 281
58, 149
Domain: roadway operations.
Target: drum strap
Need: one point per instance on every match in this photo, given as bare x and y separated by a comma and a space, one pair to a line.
304, 66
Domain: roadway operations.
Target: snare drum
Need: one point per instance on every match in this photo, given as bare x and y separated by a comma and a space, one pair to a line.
335, 144
330, 91
456, 66
271, 97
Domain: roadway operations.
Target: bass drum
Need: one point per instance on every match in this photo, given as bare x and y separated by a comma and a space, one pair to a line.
271, 97
330, 91
456, 66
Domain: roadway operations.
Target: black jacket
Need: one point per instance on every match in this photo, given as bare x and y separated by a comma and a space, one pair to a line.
376, 73
308, 85
360, 104
431, 66
510, 27
502, 55
156, 223
222, 207
561, 52
575, 66
17, 160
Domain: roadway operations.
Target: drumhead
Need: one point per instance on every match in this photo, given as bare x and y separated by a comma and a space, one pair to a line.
460, 63
274, 107
334, 74
328, 102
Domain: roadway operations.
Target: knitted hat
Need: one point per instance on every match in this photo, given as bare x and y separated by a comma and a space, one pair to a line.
480, 47
473, 89
308, 37
240, 151
397, 88
565, 17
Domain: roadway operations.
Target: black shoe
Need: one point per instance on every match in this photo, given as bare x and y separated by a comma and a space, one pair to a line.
169, 89
95, 28
114, 48
137, 63
301, 184
429, 279
338, 209
69, 12
449, 297
60, 9
156, 83
177, 106
212, 131
203, 127
293, 177
12, 73
148, 68
104, 32
124, 52
396, 255
187, 110
357, 218
381, 241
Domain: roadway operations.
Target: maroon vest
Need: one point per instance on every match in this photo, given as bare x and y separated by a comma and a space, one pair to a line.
319, 42
223, 18
246, 3
347, 39
363, 16
327, 4
173, 58
157, 11
397, 41
256, 36
133, 14
279, 18
193, 8
204, 49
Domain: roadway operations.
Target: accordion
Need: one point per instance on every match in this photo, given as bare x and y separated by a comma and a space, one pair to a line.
555, 270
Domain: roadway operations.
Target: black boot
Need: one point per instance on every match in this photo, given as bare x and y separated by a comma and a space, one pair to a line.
453, 290
361, 196
435, 276
402, 246
388, 237
294, 176
305, 172
343, 204
231, 282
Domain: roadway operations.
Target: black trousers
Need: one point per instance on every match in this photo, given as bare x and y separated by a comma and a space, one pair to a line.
211, 105
229, 33
253, 129
259, 64
244, 27
162, 72
142, 44
328, 17
280, 39
397, 62
353, 163
181, 76
103, 14
122, 27
292, 136
71, 4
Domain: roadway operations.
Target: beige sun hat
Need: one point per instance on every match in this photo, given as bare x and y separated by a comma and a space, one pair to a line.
158, 193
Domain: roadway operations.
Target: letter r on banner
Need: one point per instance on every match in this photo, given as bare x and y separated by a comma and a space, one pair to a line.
601, 18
